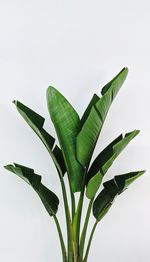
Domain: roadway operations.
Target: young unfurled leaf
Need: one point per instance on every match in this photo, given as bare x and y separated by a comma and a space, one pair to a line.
87, 137
67, 125
112, 188
49, 199
36, 122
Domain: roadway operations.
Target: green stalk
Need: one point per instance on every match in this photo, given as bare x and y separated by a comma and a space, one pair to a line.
63, 248
68, 223
83, 235
66, 207
73, 204
70, 242
77, 220
89, 242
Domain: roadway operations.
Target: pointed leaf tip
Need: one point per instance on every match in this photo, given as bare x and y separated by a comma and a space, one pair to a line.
51, 90
14, 102
133, 133
7, 167
137, 131
125, 69
116, 82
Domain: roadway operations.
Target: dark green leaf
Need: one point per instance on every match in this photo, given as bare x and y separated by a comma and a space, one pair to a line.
67, 125
112, 188
87, 137
36, 122
102, 204
60, 159
106, 158
49, 199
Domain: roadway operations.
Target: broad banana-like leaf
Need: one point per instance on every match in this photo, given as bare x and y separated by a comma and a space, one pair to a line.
112, 188
36, 122
87, 137
48, 198
104, 160
67, 125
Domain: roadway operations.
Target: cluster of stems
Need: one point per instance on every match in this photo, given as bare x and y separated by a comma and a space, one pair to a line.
75, 237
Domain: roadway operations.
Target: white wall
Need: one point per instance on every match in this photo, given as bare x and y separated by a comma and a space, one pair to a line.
76, 46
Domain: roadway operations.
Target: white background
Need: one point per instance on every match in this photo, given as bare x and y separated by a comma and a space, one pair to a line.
76, 46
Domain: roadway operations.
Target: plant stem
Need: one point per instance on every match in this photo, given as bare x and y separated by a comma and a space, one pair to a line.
70, 238
89, 242
77, 219
77, 222
66, 207
73, 204
83, 235
63, 248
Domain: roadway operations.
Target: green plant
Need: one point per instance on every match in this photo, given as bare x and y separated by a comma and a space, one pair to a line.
77, 138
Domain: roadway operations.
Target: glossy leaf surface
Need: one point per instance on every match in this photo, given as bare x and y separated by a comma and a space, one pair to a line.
87, 138
112, 188
67, 125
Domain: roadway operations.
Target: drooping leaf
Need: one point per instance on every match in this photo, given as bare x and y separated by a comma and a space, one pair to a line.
36, 122
106, 158
87, 137
112, 188
67, 125
49, 199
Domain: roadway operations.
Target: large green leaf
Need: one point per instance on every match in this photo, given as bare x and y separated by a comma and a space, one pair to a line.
67, 125
87, 137
36, 122
112, 188
106, 158
49, 199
